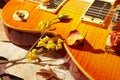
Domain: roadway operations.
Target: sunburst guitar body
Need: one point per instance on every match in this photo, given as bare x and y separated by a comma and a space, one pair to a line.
91, 58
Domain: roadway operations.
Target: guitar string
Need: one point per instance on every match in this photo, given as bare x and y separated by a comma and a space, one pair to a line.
108, 13
101, 11
74, 5
104, 10
99, 8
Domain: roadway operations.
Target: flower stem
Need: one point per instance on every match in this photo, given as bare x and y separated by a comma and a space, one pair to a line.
61, 17
12, 61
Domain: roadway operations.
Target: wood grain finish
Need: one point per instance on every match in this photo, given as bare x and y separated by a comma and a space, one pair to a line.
92, 57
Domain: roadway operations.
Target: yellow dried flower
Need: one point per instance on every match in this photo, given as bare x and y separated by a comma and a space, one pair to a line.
54, 43
58, 46
41, 43
50, 45
32, 55
43, 25
46, 39
62, 16
59, 41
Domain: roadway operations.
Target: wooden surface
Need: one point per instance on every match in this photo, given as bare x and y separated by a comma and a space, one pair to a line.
97, 63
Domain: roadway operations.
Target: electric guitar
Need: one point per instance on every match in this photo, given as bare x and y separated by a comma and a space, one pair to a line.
91, 58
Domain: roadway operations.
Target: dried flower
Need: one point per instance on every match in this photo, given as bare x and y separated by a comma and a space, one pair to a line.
53, 43
46, 42
58, 46
113, 43
62, 17
50, 45
43, 25
74, 37
33, 55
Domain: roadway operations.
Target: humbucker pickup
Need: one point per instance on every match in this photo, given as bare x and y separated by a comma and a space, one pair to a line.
97, 12
53, 6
